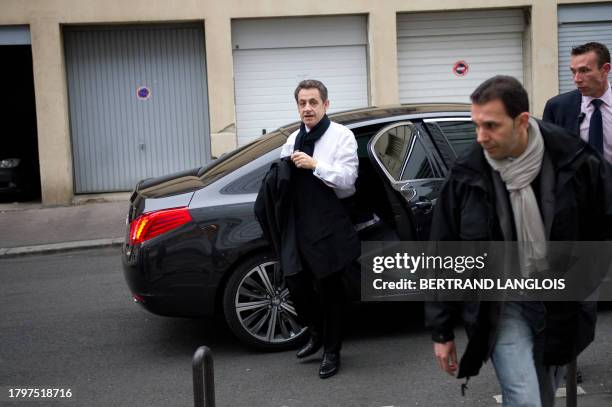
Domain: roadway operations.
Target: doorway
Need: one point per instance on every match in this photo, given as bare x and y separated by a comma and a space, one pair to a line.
19, 166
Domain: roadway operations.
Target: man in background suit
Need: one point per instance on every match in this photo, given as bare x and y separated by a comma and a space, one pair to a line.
590, 66
587, 111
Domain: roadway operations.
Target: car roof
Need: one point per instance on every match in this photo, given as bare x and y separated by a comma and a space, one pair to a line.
386, 113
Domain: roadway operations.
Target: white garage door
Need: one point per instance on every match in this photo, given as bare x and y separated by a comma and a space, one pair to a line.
579, 24
443, 57
271, 56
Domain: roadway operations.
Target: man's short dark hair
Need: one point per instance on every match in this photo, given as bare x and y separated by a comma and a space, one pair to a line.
505, 88
310, 84
602, 52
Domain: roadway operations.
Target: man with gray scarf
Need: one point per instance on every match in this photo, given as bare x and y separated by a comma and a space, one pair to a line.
530, 182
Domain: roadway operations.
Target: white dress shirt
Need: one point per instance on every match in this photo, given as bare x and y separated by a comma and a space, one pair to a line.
606, 116
336, 156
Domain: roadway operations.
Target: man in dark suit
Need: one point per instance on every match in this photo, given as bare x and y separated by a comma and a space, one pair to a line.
576, 112
587, 111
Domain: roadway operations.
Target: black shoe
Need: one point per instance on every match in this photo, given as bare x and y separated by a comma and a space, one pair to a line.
312, 346
330, 365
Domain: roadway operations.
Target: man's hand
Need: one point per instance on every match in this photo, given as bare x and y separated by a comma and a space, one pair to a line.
446, 355
303, 160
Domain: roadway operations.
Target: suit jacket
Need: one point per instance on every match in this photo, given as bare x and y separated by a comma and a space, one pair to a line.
564, 110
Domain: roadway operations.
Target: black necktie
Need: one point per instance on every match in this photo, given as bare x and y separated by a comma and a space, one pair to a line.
596, 127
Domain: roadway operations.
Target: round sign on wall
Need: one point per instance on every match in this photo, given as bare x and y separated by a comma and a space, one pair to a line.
143, 93
461, 68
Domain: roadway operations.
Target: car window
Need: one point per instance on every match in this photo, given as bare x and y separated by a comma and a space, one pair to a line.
363, 136
402, 154
418, 165
391, 148
460, 134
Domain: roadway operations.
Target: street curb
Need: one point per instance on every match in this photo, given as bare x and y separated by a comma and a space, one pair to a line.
59, 247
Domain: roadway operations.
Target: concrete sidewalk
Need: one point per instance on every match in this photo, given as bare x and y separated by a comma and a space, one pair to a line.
27, 228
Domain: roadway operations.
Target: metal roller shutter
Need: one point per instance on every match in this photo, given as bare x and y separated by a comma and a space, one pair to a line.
430, 45
138, 103
579, 24
271, 56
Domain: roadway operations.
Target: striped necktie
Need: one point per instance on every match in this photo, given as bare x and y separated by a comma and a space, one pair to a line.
596, 127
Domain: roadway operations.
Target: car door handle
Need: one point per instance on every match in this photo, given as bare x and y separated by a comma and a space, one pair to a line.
409, 192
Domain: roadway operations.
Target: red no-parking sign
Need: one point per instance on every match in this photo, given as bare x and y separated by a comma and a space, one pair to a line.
461, 68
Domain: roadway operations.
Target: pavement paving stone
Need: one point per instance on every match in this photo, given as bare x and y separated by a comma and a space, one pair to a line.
30, 228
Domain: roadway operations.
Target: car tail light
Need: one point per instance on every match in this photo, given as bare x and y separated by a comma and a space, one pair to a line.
151, 224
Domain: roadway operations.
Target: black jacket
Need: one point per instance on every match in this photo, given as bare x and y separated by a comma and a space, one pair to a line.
564, 110
274, 211
466, 210
305, 222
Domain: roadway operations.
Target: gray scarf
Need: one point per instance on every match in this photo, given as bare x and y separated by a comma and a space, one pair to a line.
518, 174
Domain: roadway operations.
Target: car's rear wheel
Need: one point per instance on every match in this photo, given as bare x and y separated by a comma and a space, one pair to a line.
258, 308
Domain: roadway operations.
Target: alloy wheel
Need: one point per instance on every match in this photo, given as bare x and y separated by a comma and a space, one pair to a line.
264, 307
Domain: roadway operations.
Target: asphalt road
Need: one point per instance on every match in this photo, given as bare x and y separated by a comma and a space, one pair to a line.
67, 321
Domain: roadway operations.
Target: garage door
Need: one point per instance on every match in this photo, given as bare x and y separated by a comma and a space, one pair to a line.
271, 56
138, 104
443, 57
579, 24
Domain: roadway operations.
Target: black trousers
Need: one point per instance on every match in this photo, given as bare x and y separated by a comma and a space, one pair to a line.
320, 305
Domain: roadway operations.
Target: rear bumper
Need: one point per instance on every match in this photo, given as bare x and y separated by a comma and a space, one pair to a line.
169, 294
172, 306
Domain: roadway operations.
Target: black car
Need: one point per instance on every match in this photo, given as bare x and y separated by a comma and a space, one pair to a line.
193, 246
19, 170
18, 177
10, 176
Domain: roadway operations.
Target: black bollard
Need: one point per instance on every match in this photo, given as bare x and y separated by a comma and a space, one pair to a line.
203, 387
